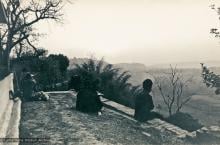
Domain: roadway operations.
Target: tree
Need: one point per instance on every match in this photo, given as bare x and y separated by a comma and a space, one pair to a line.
21, 18
210, 79
51, 69
3, 19
215, 31
62, 60
171, 87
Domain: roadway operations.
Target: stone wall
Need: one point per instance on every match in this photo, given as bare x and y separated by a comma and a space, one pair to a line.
9, 111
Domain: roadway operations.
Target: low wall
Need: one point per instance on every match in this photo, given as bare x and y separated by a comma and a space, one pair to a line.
9, 112
5, 86
3, 72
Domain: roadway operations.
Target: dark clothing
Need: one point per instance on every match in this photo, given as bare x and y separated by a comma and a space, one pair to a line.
29, 88
88, 101
74, 83
143, 106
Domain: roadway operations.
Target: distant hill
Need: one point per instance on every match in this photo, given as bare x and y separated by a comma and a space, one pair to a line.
131, 66
137, 70
75, 60
140, 71
193, 64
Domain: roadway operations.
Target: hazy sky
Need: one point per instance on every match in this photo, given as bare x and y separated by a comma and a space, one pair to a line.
145, 31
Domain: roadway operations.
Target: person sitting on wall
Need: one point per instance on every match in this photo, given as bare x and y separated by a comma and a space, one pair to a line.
88, 100
144, 104
29, 89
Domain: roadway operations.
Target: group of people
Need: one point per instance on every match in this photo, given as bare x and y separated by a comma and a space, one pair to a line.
88, 99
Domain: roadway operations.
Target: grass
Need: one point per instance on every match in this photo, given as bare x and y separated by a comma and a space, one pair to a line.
58, 121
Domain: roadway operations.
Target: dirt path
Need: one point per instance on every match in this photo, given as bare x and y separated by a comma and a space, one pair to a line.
58, 121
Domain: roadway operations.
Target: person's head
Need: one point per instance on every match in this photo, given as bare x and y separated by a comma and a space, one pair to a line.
147, 85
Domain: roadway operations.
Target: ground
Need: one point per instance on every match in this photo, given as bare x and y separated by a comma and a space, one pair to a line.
58, 122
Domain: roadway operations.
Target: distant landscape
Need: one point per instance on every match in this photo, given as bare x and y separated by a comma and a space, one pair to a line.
204, 105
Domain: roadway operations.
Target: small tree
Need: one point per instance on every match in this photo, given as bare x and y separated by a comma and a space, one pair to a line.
171, 87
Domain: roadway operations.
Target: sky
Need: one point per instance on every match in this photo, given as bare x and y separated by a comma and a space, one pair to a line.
142, 31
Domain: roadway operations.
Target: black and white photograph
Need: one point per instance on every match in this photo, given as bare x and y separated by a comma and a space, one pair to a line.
109, 72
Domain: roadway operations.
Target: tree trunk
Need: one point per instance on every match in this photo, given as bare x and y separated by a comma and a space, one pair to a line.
5, 60
4, 64
170, 111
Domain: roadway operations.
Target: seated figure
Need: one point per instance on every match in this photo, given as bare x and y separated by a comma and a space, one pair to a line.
88, 100
29, 90
144, 103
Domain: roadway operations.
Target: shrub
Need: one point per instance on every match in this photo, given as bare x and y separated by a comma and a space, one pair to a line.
184, 121
113, 83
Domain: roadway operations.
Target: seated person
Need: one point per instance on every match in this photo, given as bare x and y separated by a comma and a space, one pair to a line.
144, 103
29, 90
88, 100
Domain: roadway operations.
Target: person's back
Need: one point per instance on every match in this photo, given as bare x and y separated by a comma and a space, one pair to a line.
88, 100
144, 103
28, 87
143, 106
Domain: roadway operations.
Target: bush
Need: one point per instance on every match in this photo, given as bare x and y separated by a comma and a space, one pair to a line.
48, 70
113, 83
184, 121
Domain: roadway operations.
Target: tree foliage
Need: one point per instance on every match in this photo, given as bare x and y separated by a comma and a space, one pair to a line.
62, 61
21, 18
113, 83
48, 70
215, 31
52, 70
211, 79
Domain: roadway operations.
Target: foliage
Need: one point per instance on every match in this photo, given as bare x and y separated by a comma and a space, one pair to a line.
52, 70
210, 79
48, 70
215, 31
113, 83
171, 87
185, 121
62, 60
27, 52
21, 18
